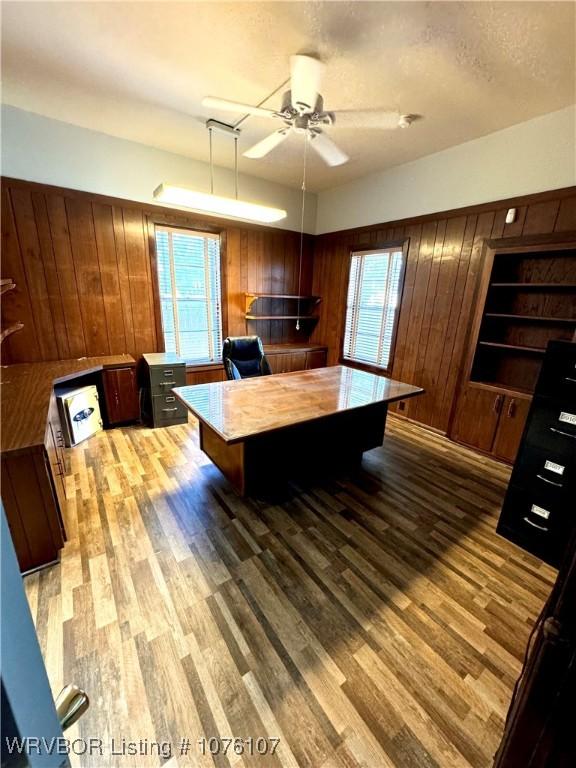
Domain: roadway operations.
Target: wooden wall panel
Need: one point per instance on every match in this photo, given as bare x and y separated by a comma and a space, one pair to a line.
84, 274
444, 260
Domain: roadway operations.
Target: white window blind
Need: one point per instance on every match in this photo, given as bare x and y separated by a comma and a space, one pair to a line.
372, 303
190, 294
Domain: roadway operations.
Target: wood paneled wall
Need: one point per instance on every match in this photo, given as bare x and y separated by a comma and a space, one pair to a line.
83, 273
444, 257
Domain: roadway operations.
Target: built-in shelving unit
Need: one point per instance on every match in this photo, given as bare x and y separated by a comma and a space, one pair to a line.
530, 299
526, 298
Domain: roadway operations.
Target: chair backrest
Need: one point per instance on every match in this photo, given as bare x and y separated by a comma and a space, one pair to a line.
243, 357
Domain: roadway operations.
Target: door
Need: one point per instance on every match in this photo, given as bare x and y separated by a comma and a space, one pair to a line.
477, 417
511, 427
121, 395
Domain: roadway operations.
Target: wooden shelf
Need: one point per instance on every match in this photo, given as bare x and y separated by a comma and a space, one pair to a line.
281, 317
6, 284
512, 347
495, 386
10, 330
251, 298
561, 286
536, 318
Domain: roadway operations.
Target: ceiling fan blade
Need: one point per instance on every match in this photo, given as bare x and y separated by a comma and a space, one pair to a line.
306, 76
235, 106
262, 148
368, 118
328, 151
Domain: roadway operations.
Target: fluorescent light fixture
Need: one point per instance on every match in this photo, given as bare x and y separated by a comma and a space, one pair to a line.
217, 206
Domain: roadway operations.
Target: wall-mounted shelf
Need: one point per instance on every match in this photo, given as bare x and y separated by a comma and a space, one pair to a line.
10, 330
251, 298
6, 284
281, 317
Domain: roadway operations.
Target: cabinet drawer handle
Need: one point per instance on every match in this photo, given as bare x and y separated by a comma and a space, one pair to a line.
511, 408
545, 479
540, 527
497, 403
561, 432
170, 409
169, 372
166, 383
570, 378
170, 399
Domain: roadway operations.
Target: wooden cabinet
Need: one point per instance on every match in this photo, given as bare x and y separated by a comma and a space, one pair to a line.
490, 421
286, 358
510, 427
120, 395
477, 418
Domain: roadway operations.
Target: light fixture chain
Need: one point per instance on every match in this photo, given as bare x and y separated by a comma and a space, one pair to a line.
211, 163
306, 137
236, 165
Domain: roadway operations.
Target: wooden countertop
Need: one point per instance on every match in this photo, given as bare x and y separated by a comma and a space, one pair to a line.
25, 392
237, 410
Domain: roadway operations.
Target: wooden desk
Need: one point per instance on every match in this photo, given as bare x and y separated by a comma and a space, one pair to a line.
253, 428
31, 452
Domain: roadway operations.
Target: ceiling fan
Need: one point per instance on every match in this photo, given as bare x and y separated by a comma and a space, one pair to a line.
302, 111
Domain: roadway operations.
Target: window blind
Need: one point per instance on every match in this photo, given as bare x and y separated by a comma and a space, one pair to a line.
371, 307
190, 293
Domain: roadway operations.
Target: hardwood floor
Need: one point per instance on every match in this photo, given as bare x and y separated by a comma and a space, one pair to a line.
372, 621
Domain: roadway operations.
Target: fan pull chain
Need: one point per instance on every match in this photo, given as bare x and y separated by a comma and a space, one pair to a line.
302, 231
211, 163
236, 165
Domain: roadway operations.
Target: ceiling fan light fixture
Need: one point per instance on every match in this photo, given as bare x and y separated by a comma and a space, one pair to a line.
214, 205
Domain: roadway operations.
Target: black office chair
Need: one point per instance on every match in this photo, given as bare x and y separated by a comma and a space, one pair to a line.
243, 357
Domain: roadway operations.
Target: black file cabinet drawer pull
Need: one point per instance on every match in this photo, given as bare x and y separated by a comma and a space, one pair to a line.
561, 432
550, 482
169, 410
535, 525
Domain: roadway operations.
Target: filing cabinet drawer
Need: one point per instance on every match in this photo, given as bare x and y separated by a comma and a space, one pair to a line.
164, 378
531, 521
167, 409
553, 426
543, 471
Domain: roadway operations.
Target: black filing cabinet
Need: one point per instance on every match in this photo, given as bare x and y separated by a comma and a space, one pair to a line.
539, 511
162, 372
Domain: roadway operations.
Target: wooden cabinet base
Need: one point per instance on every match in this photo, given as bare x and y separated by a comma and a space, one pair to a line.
32, 509
263, 462
490, 420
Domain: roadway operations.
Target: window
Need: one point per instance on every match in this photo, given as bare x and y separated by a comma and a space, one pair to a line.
190, 294
374, 290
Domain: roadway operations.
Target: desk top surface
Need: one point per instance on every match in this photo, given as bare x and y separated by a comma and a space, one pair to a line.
237, 410
25, 392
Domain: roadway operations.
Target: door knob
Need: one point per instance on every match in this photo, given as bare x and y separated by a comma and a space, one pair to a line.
71, 704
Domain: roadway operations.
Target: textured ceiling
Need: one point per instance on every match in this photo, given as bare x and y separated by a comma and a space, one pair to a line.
140, 70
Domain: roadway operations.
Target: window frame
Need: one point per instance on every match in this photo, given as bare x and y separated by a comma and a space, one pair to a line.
193, 228
400, 245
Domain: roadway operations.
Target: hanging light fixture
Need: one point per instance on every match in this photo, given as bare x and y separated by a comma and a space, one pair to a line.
216, 205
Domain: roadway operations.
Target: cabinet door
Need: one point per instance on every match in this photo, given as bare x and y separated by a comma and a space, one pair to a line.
477, 418
121, 394
297, 361
316, 358
510, 427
